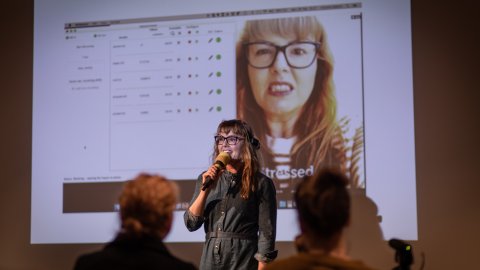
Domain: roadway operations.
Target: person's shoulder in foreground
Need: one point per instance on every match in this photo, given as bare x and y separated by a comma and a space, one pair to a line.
306, 261
124, 254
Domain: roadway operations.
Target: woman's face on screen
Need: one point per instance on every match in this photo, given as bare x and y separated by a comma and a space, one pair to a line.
281, 89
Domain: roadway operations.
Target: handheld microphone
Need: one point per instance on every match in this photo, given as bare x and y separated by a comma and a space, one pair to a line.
220, 162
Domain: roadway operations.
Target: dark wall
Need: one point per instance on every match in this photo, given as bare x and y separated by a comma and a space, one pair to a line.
446, 97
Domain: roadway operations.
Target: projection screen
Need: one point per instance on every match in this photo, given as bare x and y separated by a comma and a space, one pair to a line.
123, 87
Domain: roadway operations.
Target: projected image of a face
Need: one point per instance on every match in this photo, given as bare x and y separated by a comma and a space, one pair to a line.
286, 93
282, 74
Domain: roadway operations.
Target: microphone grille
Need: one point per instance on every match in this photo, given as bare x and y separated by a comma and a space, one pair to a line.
223, 157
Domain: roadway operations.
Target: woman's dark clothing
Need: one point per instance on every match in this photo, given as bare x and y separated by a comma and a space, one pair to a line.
146, 253
239, 232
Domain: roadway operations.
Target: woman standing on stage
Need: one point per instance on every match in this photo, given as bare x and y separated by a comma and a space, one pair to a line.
239, 209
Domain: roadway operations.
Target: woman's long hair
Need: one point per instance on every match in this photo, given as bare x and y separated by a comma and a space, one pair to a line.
249, 153
316, 128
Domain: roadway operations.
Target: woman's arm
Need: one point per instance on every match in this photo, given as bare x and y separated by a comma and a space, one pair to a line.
198, 205
193, 217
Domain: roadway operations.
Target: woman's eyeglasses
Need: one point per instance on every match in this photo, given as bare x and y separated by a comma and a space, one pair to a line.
299, 54
231, 140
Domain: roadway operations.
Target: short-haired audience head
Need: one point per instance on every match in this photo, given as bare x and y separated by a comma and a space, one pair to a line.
146, 206
323, 205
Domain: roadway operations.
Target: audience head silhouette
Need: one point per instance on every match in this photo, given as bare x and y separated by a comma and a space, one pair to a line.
323, 204
146, 206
